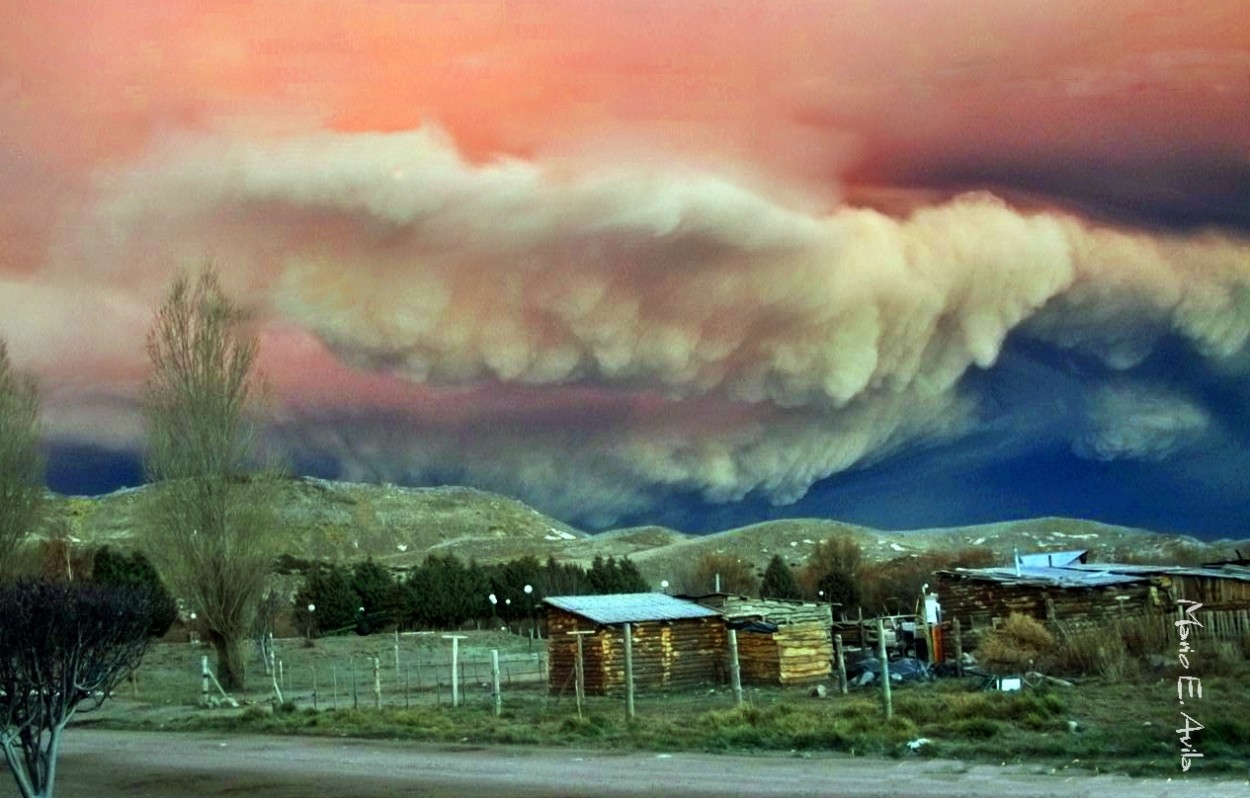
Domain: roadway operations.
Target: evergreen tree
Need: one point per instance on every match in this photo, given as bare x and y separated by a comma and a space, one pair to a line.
112, 568
329, 589
629, 578
596, 577
779, 581
375, 587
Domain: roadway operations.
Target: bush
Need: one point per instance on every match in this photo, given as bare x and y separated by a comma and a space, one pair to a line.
1017, 644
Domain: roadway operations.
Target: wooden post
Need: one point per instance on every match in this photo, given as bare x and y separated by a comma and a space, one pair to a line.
397, 659
314, 695
455, 667
885, 671
735, 673
863, 631
579, 671
629, 671
407, 679
494, 681
840, 655
334, 677
377, 684
959, 648
355, 692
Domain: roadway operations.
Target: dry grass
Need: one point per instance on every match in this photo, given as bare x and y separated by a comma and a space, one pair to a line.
1018, 644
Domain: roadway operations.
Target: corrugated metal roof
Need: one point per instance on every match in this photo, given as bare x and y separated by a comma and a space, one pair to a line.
631, 607
1096, 574
1235, 572
1058, 577
1052, 559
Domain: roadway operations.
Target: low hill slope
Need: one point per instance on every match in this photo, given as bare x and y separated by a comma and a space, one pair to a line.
400, 526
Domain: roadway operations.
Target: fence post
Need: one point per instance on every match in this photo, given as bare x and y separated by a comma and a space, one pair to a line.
455, 669
204, 681
355, 691
885, 671
957, 634
314, 694
840, 654
397, 659
735, 673
377, 684
494, 681
334, 676
579, 672
629, 671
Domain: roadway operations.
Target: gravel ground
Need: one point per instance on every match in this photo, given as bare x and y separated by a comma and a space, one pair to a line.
104, 764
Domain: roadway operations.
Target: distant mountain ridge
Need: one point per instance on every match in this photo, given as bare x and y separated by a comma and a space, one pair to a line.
400, 526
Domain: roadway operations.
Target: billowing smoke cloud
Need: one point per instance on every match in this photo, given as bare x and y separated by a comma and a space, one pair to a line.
749, 345
1133, 422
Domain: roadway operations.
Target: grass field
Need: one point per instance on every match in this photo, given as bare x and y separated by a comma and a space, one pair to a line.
1097, 725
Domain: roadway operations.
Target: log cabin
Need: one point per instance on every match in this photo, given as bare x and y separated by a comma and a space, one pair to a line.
676, 643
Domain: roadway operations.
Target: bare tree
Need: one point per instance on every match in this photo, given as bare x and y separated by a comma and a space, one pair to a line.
63, 648
211, 530
732, 574
21, 465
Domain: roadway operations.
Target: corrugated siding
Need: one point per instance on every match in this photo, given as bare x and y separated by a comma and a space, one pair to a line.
630, 607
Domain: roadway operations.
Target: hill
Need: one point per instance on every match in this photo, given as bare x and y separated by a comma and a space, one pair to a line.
400, 526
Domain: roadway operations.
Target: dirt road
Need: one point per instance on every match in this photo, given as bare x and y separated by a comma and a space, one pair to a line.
103, 764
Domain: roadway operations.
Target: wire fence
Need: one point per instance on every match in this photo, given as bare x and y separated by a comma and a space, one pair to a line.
411, 671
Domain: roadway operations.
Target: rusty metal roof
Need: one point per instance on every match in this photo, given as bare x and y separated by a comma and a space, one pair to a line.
631, 607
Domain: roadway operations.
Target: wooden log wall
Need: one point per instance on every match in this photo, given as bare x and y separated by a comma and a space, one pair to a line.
679, 653
794, 654
667, 654
776, 611
758, 659
980, 605
805, 652
562, 652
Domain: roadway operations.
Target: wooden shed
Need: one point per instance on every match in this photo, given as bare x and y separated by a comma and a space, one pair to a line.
779, 642
1089, 594
676, 643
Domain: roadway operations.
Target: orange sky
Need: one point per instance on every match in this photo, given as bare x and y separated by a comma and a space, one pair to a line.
1132, 114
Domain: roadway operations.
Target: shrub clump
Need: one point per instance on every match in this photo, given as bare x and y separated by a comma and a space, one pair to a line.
1017, 644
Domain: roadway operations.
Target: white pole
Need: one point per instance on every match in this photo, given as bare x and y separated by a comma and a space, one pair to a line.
204, 681
494, 681
455, 667
735, 673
